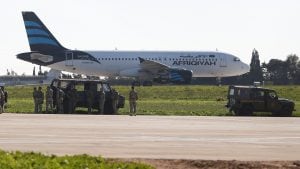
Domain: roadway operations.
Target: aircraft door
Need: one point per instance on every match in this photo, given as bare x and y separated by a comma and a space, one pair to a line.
223, 61
69, 59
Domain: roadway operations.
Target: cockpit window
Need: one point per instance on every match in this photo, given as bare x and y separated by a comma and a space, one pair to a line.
236, 59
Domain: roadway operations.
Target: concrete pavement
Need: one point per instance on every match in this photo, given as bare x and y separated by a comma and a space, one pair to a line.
167, 137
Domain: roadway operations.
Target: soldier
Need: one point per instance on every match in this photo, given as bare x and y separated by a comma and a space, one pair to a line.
101, 100
35, 98
5, 95
60, 100
72, 99
49, 99
40, 99
115, 99
89, 97
133, 97
2, 101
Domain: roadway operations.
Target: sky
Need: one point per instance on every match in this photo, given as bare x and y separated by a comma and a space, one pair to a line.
270, 26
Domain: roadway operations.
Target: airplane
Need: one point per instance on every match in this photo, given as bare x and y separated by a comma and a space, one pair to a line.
177, 67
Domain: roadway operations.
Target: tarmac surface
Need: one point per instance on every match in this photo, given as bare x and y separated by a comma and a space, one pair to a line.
154, 137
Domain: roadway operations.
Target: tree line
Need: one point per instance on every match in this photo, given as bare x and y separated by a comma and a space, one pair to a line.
276, 71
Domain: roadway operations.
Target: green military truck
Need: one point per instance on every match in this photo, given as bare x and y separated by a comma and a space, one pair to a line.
244, 100
81, 86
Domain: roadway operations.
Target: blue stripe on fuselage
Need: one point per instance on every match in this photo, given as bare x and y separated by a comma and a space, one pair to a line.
41, 40
36, 32
31, 23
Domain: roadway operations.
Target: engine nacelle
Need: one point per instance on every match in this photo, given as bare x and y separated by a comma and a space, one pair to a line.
177, 76
130, 72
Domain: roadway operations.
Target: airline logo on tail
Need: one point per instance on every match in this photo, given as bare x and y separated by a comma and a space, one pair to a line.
45, 49
39, 37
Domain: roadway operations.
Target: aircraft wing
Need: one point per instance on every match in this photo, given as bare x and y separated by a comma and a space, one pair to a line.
162, 73
152, 66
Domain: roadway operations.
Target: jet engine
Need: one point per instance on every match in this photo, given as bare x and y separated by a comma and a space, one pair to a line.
176, 76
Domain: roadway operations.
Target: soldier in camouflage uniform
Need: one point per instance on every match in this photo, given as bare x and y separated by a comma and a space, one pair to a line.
101, 100
72, 99
49, 99
2, 101
115, 99
60, 100
89, 99
133, 97
40, 99
35, 99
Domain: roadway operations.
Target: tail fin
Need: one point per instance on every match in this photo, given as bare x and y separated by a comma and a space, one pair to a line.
39, 37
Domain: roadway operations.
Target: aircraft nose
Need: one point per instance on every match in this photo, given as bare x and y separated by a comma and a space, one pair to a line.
245, 68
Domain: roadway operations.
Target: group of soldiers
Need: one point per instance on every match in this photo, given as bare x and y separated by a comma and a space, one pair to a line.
3, 98
38, 98
69, 97
100, 96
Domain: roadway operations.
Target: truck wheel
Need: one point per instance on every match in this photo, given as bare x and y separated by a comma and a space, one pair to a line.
108, 109
275, 113
237, 112
247, 111
286, 111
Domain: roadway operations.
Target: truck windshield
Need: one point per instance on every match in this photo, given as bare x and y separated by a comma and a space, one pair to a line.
105, 87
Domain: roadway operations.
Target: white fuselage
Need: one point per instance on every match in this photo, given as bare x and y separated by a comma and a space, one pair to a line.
127, 63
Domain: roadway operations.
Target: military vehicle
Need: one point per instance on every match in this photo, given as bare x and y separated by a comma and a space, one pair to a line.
81, 86
244, 100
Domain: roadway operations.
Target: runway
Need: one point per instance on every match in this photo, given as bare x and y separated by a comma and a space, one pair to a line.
158, 137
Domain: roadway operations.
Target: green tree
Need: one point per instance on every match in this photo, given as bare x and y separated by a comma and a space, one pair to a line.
277, 70
297, 79
255, 73
292, 67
